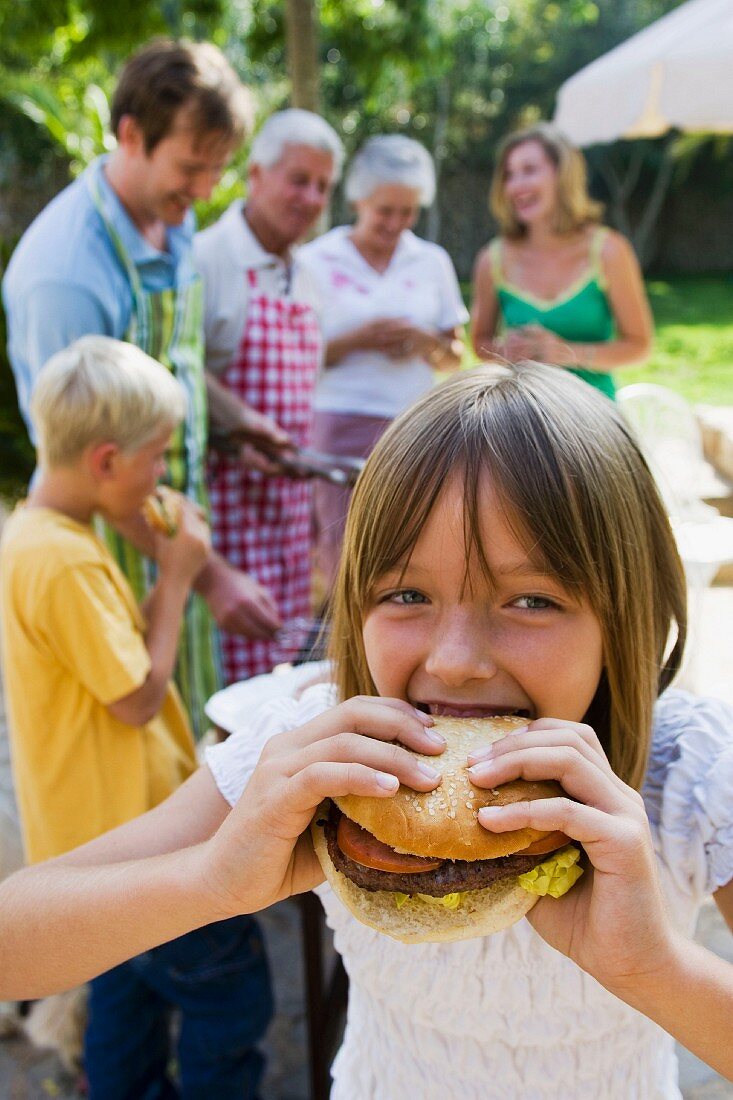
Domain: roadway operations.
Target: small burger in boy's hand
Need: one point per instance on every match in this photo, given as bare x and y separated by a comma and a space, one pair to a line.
162, 510
419, 867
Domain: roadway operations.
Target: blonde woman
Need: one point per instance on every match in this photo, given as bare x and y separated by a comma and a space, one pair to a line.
556, 285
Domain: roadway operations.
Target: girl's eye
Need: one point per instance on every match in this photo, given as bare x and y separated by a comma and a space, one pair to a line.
406, 596
534, 603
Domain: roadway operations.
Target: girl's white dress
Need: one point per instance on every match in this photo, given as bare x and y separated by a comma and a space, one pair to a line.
507, 1016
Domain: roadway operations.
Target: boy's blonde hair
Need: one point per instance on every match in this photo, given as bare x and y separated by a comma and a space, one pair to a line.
576, 490
101, 390
575, 207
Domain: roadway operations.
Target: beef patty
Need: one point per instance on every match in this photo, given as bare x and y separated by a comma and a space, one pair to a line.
451, 876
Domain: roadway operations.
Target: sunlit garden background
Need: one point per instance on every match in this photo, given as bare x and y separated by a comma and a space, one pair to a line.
456, 74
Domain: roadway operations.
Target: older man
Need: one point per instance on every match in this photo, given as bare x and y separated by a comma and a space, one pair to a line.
112, 255
263, 354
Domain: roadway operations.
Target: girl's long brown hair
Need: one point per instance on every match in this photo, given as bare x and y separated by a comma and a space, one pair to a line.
577, 489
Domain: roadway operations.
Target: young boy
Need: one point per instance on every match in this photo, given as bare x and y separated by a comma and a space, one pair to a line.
98, 731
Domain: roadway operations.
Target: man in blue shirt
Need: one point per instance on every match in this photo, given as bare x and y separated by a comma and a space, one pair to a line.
112, 254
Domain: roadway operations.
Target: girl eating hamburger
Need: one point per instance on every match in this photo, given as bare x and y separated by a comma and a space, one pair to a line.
506, 554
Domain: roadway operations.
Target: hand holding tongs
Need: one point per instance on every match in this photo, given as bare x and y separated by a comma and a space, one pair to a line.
293, 461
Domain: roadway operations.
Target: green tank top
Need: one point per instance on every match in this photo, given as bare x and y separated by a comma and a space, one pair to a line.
581, 314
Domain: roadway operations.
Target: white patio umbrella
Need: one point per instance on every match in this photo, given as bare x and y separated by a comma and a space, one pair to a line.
677, 72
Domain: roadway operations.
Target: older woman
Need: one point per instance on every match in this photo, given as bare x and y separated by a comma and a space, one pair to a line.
391, 317
555, 285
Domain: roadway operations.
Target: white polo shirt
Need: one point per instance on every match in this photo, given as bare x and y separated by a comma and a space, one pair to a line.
420, 285
224, 254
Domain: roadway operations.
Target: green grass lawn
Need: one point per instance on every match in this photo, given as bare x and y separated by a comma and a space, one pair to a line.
693, 342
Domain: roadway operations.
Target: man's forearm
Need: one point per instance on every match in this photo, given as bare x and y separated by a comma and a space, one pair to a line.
61, 925
209, 572
225, 409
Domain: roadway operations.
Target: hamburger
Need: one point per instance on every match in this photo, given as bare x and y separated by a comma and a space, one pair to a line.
162, 510
419, 867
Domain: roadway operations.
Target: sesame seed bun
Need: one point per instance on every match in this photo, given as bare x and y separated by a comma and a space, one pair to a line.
443, 823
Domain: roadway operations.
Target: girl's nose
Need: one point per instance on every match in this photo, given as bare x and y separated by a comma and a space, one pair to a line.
461, 651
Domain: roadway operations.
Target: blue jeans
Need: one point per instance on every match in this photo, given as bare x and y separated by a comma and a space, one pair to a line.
219, 979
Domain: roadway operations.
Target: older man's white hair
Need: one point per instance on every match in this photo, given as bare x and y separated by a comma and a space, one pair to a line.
296, 127
391, 158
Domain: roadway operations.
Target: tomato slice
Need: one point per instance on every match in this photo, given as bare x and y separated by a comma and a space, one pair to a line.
549, 843
364, 848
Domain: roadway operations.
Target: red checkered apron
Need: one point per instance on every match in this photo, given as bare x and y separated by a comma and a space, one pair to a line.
261, 524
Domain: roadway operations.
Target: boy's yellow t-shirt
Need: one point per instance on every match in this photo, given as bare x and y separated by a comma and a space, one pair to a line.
73, 642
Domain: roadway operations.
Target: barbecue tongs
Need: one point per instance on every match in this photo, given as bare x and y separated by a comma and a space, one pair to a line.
297, 461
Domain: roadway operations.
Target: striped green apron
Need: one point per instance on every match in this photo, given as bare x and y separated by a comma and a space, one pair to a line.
168, 325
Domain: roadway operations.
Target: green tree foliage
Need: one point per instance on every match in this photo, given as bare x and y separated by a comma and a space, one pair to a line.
58, 57
387, 64
51, 32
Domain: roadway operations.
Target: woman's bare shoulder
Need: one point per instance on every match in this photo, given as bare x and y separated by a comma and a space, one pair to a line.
615, 246
486, 258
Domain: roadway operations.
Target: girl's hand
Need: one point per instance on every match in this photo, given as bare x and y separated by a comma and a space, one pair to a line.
613, 922
262, 852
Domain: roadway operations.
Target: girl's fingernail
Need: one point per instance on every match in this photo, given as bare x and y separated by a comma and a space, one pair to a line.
489, 812
426, 719
480, 754
436, 738
478, 771
389, 782
522, 729
427, 771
